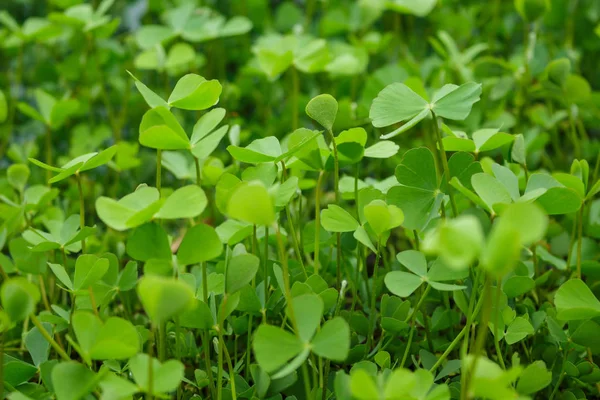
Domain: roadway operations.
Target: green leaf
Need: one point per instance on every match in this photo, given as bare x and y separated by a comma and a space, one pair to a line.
575, 301
240, 271
260, 150
72, 381
259, 211
19, 298
458, 242
420, 8
362, 385
308, 310
382, 217
151, 98
518, 330
417, 169
333, 340
396, 103
149, 241
534, 378
185, 202
197, 317
159, 129
37, 345
414, 261
382, 149
323, 109
273, 347
193, 92
89, 269
200, 243
166, 376
164, 298
116, 387
401, 283
527, 219
131, 210
490, 190
336, 219
456, 101
17, 176
115, 338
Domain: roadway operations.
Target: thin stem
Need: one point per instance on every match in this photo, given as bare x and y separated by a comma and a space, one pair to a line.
338, 307
206, 333
266, 271
573, 133
579, 241
149, 395
374, 296
572, 242
412, 318
49, 338
496, 323
198, 175
158, 170
229, 366
288, 302
295, 94
444, 160
288, 215
560, 379
480, 339
81, 209
162, 341
336, 184
48, 151
458, 337
178, 352
317, 222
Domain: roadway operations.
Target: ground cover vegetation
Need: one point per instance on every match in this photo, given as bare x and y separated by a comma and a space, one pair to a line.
373, 199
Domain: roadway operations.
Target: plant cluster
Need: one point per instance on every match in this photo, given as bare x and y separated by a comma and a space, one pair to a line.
350, 200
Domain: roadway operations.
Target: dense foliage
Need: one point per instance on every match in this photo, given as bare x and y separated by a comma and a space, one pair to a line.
336, 199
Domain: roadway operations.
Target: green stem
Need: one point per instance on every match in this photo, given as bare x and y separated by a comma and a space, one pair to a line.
149, 395
229, 365
295, 94
336, 184
162, 341
572, 241
316, 261
373, 320
206, 333
579, 240
573, 133
480, 339
81, 209
49, 338
48, 151
457, 339
444, 161
178, 352
496, 323
338, 307
158, 170
198, 175
560, 379
266, 271
288, 215
288, 301
413, 317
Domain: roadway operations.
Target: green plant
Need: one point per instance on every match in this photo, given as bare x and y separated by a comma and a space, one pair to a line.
427, 228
